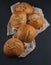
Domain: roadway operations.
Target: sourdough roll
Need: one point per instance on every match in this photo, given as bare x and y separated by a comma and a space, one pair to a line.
26, 33
13, 46
24, 7
35, 20
17, 19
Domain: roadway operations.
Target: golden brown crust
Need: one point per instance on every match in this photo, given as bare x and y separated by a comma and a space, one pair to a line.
24, 7
13, 46
35, 20
17, 19
26, 33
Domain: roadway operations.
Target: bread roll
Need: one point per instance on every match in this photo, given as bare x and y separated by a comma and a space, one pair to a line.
24, 7
17, 19
26, 33
13, 46
35, 20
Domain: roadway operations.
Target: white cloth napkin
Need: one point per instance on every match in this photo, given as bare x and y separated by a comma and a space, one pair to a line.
29, 46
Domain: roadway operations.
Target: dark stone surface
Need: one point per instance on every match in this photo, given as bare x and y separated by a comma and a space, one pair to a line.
42, 53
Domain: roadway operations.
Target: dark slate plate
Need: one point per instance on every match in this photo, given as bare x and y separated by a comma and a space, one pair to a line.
42, 53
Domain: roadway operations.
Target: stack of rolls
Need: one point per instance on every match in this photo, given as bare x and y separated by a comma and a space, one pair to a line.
25, 22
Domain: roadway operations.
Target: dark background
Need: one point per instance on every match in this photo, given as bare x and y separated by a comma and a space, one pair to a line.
42, 53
